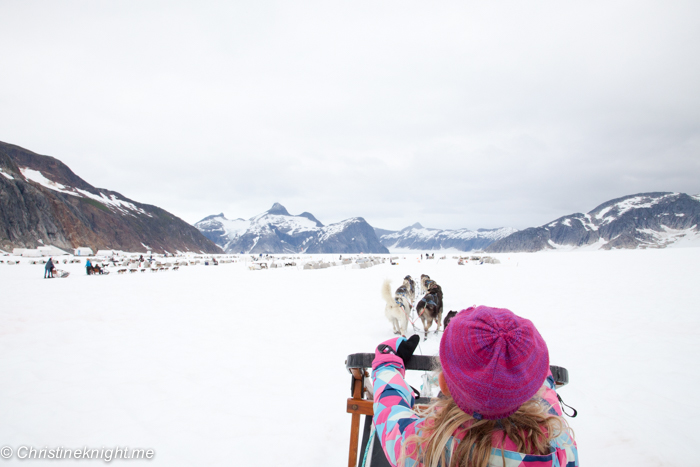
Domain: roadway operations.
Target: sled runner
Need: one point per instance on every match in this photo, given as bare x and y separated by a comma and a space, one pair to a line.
370, 449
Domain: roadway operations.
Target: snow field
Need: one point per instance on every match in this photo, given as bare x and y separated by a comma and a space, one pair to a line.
227, 366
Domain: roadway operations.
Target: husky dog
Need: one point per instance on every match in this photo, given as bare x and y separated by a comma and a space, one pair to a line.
410, 285
397, 307
435, 289
449, 316
424, 279
429, 309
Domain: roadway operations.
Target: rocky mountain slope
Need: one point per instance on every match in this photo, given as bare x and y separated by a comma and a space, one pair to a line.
417, 237
645, 220
43, 202
277, 231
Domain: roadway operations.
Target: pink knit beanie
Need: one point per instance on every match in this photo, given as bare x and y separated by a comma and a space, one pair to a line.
493, 361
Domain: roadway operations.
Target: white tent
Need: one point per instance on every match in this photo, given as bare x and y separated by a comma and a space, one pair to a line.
27, 252
51, 251
83, 251
109, 253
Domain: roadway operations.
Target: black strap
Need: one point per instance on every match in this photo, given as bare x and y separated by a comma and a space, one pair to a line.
562, 403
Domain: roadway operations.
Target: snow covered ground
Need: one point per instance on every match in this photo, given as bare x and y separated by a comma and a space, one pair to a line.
220, 365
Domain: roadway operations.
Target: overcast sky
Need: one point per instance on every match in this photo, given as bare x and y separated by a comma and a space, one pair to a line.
453, 114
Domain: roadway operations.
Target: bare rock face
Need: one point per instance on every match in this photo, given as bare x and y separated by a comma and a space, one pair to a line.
43, 202
645, 220
353, 235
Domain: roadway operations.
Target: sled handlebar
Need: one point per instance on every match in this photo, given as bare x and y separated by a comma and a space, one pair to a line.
428, 363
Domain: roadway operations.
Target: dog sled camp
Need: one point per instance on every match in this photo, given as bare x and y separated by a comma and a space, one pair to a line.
193, 360
105, 262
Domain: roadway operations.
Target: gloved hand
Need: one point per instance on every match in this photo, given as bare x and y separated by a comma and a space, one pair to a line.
398, 350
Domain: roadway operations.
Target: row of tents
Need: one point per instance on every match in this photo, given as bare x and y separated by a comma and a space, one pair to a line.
51, 250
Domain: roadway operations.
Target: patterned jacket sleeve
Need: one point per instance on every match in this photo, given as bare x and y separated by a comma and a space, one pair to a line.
394, 418
566, 451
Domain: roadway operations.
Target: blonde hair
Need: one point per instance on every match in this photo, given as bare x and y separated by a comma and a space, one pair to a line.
531, 428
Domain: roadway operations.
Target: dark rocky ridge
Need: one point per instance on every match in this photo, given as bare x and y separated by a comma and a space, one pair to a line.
32, 215
354, 236
635, 221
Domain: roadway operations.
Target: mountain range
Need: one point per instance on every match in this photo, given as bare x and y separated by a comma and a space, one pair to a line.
277, 231
417, 237
42, 202
644, 220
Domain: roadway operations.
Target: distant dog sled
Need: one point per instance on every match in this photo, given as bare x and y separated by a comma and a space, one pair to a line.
96, 270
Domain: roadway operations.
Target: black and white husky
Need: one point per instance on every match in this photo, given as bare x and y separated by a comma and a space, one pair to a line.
429, 309
398, 307
424, 279
410, 285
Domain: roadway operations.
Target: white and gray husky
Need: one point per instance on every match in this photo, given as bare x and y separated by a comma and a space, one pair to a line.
398, 307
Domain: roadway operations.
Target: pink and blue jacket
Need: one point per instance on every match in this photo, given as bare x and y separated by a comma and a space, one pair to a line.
395, 421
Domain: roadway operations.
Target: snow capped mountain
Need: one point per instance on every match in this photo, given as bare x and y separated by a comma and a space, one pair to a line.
222, 231
645, 220
417, 237
108, 198
277, 231
44, 202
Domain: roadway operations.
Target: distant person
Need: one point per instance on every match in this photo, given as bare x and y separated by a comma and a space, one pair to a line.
48, 269
88, 266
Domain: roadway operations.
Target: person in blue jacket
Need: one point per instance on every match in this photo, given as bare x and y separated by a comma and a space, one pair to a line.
48, 269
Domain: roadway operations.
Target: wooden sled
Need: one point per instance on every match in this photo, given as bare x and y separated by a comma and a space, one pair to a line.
358, 405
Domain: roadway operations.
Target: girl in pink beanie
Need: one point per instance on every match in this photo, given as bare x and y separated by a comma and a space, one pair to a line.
499, 405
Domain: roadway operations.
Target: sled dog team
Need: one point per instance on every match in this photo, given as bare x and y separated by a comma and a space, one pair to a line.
398, 307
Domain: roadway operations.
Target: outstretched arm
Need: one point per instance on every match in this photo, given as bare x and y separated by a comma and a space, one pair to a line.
394, 418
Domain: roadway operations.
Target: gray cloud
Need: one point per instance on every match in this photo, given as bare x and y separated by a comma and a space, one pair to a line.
454, 115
